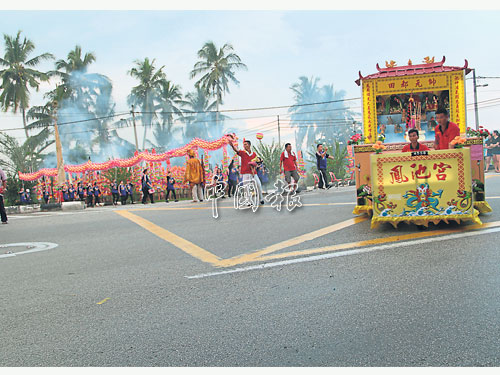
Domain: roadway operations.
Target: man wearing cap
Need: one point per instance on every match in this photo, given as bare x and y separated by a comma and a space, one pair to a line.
3, 187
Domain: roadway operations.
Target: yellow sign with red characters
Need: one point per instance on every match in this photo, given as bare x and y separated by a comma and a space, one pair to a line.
453, 82
430, 187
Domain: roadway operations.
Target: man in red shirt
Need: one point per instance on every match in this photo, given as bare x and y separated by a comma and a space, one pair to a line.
246, 156
446, 131
288, 163
414, 144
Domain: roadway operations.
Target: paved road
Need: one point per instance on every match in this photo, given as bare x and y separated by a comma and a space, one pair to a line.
168, 285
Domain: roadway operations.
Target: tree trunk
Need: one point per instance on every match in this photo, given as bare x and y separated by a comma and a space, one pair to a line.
145, 116
24, 123
217, 113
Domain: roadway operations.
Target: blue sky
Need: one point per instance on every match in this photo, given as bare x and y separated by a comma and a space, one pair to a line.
277, 47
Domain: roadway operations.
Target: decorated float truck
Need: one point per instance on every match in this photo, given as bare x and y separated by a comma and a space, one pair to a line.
417, 187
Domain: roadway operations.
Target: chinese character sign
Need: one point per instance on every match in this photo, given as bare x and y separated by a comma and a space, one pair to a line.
436, 185
414, 83
369, 111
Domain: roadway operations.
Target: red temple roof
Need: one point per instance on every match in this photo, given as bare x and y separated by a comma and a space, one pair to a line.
410, 70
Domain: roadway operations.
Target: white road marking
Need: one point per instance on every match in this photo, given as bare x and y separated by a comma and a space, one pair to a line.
349, 252
37, 246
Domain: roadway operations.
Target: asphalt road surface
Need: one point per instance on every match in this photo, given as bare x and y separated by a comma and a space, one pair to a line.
169, 285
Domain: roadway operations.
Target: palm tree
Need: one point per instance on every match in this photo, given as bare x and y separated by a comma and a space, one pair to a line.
170, 100
270, 155
88, 95
305, 91
75, 61
198, 114
25, 157
335, 117
217, 68
20, 74
147, 91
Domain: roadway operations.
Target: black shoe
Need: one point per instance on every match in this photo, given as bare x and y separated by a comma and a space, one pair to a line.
177, 200
166, 201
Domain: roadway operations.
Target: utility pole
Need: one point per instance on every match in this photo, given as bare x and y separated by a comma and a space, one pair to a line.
135, 130
61, 175
279, 132
475, 98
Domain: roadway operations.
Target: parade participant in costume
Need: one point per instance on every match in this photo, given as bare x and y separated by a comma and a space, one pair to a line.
80, 191
246, 155
147, 187
288, 164
114, 192
123, 193
71, 193
446, 131
3, 187
414, 144
170, 187
321, 163
195, 175
97, 193
90, 195
130, 191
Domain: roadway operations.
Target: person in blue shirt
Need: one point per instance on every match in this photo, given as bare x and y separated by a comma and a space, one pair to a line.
262, 173
130, 191
114, 192
97, 193
71, 193
80, 191
65, 193
170, 188
147, 187
122, 189
46, 194
321, 162
220, 179
90, 195
232, 179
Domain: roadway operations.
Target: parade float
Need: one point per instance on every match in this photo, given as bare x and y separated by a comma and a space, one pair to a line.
417, 187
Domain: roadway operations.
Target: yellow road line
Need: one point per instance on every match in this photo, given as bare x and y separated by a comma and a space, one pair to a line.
378, 241
256, 255
491, 175
179, 242
104, 300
